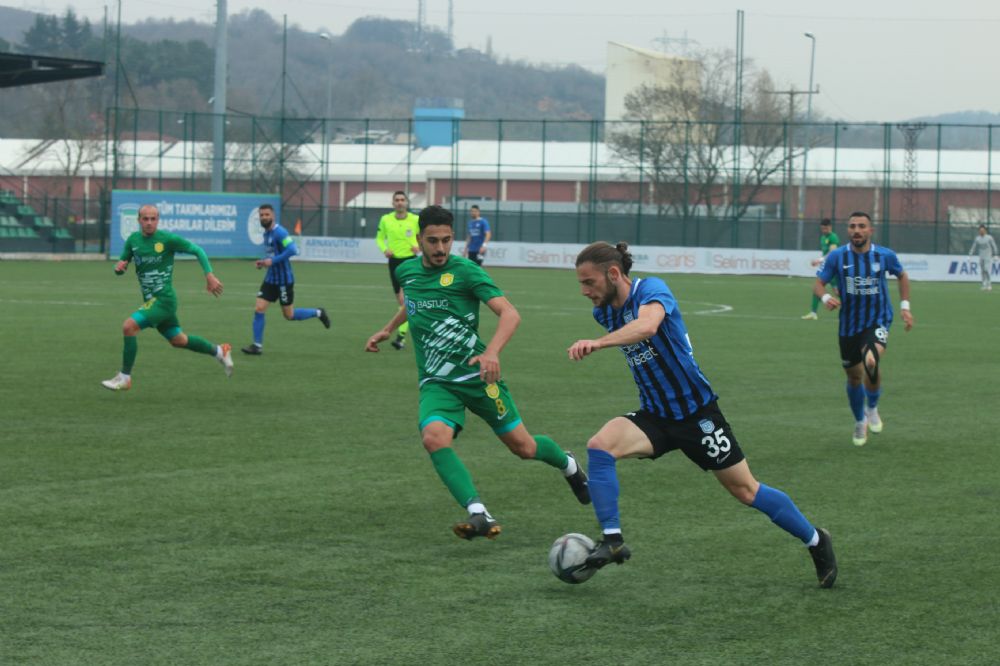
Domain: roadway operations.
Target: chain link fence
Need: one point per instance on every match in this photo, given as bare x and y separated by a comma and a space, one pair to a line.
682, 183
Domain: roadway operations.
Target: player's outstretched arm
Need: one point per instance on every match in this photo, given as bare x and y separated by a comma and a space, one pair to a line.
121, 267
386, 331
641, 328
213, 284
904, 301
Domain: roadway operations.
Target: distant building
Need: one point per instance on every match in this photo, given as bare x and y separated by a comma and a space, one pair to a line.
631, 67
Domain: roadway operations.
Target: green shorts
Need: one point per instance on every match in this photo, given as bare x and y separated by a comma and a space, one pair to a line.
446, 402
159, 313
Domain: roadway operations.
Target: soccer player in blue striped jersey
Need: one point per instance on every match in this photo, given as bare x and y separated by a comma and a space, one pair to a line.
862, 269
279, 282
678, 408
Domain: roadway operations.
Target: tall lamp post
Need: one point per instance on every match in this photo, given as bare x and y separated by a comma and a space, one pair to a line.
325, 194
805, 151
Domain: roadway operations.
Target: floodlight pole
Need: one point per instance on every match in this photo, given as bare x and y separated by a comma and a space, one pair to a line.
805, 150
325, 194
219, 107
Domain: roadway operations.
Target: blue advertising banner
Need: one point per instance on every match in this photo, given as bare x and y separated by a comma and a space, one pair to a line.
224, 225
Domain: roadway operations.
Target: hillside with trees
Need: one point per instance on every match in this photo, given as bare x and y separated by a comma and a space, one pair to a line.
377, 68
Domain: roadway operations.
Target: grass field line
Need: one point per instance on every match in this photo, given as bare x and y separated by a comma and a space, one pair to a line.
186, 472
21, 301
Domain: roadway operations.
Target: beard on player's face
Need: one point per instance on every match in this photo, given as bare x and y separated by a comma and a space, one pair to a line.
609, 293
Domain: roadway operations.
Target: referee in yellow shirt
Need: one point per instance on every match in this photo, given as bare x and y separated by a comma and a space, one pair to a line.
397, 239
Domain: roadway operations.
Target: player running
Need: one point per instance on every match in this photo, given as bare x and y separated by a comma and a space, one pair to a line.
279, 282
865, 316
828, 241
153, 252
678, 409
442, 294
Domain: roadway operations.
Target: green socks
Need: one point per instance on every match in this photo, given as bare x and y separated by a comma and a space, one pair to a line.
550, 453
128, 354
455, 475
200, 345
815, 304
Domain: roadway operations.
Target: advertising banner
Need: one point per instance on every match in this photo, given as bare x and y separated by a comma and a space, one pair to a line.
654, 259
224, 225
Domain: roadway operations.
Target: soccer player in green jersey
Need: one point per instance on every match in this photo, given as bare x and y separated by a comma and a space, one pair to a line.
153, 253
828, 241
457, 370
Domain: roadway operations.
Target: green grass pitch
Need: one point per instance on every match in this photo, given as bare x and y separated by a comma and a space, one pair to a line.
290, 516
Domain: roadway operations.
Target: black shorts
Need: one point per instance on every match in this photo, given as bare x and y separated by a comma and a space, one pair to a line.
393, 262
474, 255
283, 293
705, 437
852, 346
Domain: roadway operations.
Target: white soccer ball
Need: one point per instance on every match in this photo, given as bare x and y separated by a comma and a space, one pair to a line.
568, 558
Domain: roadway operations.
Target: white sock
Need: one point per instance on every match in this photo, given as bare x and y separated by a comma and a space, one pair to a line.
477, 507
124, 376
571, 468
218, 352
814, 541
613, 530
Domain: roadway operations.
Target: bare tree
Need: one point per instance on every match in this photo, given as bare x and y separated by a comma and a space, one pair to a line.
74, 140
683, 139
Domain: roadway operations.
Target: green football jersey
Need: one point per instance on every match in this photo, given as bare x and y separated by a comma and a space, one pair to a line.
442, 306
154, 261
826, 240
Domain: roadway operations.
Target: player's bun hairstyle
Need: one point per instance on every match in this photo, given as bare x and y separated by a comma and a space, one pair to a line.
435, 215
604, 255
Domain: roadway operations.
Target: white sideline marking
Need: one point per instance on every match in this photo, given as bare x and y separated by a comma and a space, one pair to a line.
31, 302
713, 308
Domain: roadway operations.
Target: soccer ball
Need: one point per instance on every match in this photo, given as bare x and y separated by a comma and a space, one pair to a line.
568, 558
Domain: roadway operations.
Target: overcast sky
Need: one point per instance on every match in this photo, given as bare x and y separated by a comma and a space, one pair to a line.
881, 60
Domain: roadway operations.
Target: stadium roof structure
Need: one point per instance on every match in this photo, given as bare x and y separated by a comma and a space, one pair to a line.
19, 69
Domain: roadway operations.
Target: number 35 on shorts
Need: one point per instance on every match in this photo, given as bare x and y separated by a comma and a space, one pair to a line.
715, 440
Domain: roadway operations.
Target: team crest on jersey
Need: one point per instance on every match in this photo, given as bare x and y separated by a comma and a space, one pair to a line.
158, 247
706, 426
447, 279
493, 391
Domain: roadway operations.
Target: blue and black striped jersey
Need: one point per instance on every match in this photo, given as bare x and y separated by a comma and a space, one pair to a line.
280, 248
670, 382
864, 288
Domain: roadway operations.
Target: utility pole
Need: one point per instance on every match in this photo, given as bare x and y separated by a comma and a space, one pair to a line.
451, 23
219, 103
911, 132
792, 94
737, 117
665, 42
